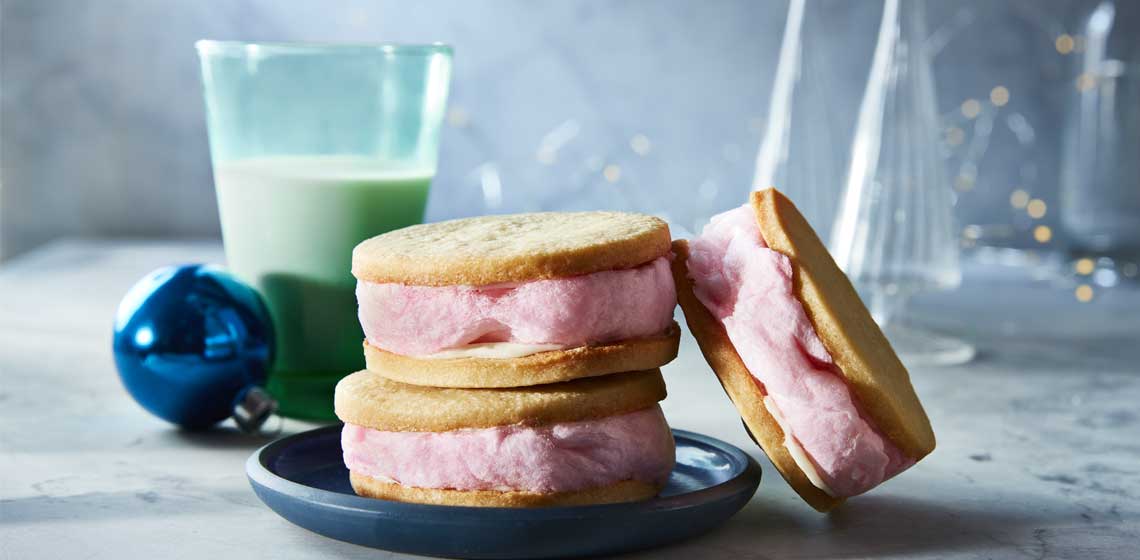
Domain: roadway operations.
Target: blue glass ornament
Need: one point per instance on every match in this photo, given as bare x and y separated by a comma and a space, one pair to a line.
193, 346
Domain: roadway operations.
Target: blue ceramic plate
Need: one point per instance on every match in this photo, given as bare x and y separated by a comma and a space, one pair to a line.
302, 478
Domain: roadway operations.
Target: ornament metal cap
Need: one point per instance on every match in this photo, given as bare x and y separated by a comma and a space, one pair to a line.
252, 408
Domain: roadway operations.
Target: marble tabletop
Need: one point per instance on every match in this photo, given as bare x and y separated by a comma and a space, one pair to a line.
1038, 439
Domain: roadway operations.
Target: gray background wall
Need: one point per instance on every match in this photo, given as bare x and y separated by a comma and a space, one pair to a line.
102, 131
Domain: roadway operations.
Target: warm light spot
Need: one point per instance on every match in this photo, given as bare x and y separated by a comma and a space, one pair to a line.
1084, 293
963, 183
357, 17
756, 124
1064, 43
546, 157
707, 189
458, 117
1078, 43
1036, 208
971, 108
1018, 199
999, 96
1085, 82
1084, 267
612, 173
1042, 234
640, 144
955, 136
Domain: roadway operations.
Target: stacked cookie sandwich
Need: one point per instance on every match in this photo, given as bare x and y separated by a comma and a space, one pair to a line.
512, 361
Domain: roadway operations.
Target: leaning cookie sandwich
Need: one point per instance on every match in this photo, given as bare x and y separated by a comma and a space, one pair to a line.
587, 441
814, 379
517, 300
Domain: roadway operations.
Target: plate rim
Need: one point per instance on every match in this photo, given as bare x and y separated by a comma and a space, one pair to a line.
260, 475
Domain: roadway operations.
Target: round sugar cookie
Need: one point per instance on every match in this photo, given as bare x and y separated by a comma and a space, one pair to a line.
625, 491
536, 369
371, 400
511, 248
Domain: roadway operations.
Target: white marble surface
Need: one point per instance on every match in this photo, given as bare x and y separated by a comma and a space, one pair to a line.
1038, 456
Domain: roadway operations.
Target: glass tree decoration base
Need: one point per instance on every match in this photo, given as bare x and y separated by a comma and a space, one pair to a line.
894, 233
917, 346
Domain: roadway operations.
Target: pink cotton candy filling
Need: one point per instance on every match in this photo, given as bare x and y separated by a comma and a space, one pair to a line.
748, 288
561, 457
593, 308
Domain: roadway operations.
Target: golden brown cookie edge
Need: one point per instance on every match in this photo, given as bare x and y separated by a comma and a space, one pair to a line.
741, 388
856, 343
625, 491
537, 369
373, 401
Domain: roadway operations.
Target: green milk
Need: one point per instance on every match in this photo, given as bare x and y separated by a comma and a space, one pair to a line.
317, 147
289, 226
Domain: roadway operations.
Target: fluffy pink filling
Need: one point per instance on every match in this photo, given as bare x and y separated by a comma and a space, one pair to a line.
555, 458
748, 287
601, 307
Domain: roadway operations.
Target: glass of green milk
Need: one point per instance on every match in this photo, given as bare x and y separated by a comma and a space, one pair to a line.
315, 148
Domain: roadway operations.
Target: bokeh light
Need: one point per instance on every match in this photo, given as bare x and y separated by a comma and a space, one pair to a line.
999, 96
640, 144
963, 183
1064, 43
612, 173
955, 136
1085, 82
1018, 199
1084, 293
971, 108
458, 117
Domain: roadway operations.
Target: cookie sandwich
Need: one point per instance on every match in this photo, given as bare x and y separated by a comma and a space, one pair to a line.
587, 441
517, 300
814, 379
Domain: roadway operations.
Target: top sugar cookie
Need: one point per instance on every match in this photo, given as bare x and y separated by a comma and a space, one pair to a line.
511, 248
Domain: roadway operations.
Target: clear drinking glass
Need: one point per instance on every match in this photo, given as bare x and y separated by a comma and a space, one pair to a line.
1100, 179
894, 231
316, 148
